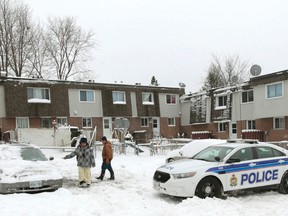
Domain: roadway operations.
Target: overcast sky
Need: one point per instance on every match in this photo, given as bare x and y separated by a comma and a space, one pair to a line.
174, 39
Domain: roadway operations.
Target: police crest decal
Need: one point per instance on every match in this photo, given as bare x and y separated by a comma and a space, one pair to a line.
233, 180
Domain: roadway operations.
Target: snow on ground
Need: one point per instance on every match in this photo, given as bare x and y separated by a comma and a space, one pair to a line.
130, 194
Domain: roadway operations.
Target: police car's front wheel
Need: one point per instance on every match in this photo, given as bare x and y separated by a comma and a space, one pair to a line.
283, 186
209, 187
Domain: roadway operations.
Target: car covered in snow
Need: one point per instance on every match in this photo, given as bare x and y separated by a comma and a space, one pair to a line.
190, 149
220, 169
24, 168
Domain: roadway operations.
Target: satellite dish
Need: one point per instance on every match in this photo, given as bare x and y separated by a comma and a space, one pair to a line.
182, 85
234, 79
255, 70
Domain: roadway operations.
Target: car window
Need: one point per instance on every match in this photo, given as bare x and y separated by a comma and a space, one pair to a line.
211, 152
243, 154
267, 152
277, 153
32, 154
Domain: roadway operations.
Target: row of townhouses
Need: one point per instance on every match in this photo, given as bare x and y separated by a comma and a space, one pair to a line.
256, 109
36, 103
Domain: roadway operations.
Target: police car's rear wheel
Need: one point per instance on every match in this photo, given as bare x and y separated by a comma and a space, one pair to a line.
283, 186
209, 187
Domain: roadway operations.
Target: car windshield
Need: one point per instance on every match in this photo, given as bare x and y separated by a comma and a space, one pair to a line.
32, 154
213, 153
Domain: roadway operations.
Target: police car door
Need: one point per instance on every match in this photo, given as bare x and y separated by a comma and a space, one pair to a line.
239, 165
264, 169
269, 167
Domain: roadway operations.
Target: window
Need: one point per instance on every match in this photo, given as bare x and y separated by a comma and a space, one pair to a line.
170, 99
274, 90
86, 96
86, 122
118, 97
234, 128
144, 122
171, 121
221, 127
221, 101
251, 124
106, 124
279, 123
268, 152
22, 122
38, 95
46, 122
243, 154
147, 98
62, 120
247, 96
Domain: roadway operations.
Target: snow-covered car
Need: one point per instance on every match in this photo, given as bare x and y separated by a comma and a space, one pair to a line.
190, 149
24, 168
220, 169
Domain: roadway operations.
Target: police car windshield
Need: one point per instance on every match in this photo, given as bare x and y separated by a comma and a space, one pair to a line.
213, 153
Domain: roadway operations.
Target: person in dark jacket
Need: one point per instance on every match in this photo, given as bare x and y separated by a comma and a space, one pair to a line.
85, 160
107, 156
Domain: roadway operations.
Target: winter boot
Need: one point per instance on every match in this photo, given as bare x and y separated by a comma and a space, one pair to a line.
112, 177
101, 176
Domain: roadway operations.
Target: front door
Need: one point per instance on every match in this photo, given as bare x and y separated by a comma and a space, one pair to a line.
155, 127
233, 130
107, 127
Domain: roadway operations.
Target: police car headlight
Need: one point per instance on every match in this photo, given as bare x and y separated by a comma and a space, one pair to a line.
183, 175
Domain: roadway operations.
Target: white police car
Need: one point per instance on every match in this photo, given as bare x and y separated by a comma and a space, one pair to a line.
224, 168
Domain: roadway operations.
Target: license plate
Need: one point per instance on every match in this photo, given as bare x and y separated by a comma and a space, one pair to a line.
35, 184
156, 185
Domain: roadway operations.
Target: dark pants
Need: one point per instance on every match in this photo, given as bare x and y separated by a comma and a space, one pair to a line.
107, 166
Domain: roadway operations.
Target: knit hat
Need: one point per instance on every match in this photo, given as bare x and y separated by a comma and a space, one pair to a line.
104, 138
83, 140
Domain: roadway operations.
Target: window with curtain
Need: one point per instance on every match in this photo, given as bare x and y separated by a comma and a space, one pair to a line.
62, 120
274, 90
118, 97
170, 99
38, 95
171, 121
86, 96
147, 98
22, 122
87, 122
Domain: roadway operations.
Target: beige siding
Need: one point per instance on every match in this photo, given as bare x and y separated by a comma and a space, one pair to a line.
167, 110
79, 109
273, 107
133, 104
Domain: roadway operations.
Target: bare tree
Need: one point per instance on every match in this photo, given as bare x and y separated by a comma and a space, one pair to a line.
220, 72
38, 57
5, 17
15, 24
68, 47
